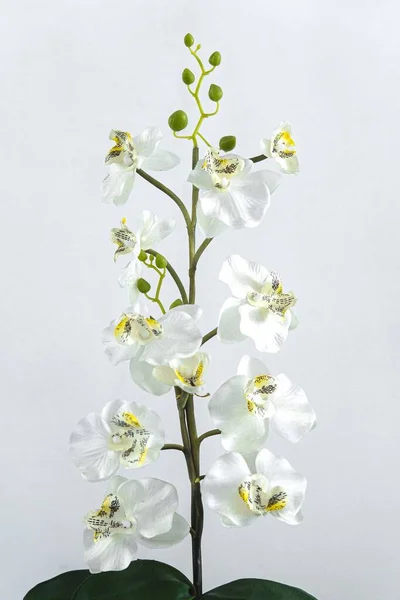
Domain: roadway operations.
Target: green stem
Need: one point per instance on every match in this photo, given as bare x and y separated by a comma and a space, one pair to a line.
174, 276
173, 447
192, 233
209, 335
208, 434
157, 301
169, 193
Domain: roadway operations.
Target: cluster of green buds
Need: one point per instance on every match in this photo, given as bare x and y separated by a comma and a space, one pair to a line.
159, 264
178, 121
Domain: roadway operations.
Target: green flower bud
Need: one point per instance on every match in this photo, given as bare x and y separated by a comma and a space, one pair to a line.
161, 261
143, 286
178, 120
177, 302
188, 77
215, 93
188, 40
215, 59
227, 143
142, 256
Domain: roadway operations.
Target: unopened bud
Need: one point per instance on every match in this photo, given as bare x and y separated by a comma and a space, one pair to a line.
142, 256
188, 40
161, 261
143, 286
215, 59
187, 76
215, 93
178, 120
227, 143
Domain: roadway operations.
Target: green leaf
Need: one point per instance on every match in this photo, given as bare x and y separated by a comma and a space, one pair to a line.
143, 579
61, 587
256, 589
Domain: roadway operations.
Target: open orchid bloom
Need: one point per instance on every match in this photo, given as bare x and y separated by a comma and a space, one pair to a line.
131, 153
154, 341
149, 232
126, 434
282, 148
185, 373
230, 194
241, 490
259, 308
133, 512
244, 406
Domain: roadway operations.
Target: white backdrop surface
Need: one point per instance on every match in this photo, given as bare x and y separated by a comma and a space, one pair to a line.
71, 71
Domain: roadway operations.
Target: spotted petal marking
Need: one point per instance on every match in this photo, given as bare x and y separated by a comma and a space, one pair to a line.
194, 380
277, 303
221, 169
257, 394
103, 522
124, 238
129, 438
123, 146
133, 327
283, 144
254, 492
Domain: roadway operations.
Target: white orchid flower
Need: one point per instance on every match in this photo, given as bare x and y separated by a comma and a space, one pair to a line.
157, 342
149, 232
281, 147
131, 153
230, 195
125, 434
242, 491
244, 406
185, 373
259, 309
132, 513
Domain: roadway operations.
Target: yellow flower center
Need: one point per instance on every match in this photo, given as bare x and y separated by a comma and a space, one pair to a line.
136, 328
272, 296
194, 379
283, 144
130, 438
257, 394
124, 151
109, 519
255, 493
221, 170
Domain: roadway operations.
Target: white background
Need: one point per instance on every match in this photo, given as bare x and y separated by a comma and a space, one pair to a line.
73, 69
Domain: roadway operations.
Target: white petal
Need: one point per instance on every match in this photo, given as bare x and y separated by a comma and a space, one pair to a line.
165, 375
294, 322
289, 165
111, 554
200, 178
267, 330
193, 310
152, 229
89, 449
266, 148
117, 185
220, 489
280, 473
160, 160
179, 530
270, 178
251, 198
293, 417
142, 375
114, 483
229, 322
155, 513
242, 275
251, 367
242, 430
210, 226
117, 352
181, 337
229, 401
146, 142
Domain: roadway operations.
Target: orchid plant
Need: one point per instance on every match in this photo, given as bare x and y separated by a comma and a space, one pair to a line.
166, 351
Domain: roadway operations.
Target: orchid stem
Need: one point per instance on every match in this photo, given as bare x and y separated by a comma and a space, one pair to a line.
169, 193
209, 335
174, 276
